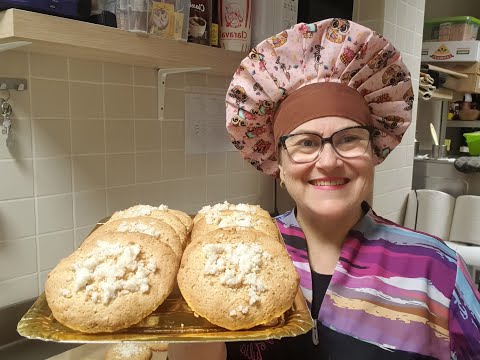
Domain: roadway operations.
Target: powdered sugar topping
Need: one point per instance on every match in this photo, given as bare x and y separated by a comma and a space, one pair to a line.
128, 350
113, 269
237, 265
254, 209
139, 227
138, 210
237, 219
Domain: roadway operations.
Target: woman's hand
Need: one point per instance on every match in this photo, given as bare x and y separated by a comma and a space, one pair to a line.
197, 351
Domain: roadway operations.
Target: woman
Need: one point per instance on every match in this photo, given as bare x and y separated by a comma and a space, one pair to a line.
320, 110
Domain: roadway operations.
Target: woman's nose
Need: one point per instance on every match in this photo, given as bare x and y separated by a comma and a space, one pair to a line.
328, 158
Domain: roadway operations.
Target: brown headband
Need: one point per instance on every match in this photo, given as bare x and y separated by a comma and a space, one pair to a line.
319, 100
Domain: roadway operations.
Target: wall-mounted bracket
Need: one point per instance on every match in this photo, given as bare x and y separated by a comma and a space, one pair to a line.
13, 44
162, 81
13, 84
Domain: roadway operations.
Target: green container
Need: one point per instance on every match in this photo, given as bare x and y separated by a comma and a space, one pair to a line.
457, 28
473, 142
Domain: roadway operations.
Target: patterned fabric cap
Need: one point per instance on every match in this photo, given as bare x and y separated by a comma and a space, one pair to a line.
332, 50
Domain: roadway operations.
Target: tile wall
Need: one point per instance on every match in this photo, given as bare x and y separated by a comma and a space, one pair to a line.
401, 22
88, 143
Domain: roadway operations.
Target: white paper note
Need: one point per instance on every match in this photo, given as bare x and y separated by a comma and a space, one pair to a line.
205, 130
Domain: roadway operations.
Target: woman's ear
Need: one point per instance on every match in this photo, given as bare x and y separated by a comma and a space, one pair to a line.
280, 173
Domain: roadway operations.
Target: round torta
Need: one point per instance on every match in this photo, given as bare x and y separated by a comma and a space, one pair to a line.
112, 283
233, 218
144, 225
159, 212
158, 346
184, 218
237, 279
128, 351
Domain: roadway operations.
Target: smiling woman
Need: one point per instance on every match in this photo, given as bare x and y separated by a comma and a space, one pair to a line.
340, 99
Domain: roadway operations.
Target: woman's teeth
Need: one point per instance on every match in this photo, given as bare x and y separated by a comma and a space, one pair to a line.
329, 183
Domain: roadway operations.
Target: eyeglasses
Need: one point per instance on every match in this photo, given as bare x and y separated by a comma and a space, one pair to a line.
350, 142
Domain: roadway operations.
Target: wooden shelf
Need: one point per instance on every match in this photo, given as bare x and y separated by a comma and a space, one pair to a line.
66, 37
465, 124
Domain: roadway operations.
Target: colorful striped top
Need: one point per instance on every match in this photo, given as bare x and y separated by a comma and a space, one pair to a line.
395, 288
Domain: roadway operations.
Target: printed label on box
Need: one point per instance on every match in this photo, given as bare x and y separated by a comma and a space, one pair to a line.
463, 51
442, 53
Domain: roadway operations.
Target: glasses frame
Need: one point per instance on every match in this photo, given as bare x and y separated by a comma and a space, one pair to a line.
326, 140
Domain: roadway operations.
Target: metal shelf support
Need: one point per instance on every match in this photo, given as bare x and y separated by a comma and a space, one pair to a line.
162, 81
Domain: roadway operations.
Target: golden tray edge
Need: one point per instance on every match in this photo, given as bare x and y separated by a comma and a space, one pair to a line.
39, 324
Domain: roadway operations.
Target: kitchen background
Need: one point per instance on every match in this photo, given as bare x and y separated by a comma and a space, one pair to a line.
88, 142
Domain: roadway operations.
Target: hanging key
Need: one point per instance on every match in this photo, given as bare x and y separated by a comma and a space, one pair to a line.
6, 110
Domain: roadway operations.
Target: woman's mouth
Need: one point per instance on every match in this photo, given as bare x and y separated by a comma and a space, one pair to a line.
329, 183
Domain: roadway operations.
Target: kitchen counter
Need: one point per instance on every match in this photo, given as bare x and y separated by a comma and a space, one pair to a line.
95, 352
43, 350
441, 160
441, 175
27, 349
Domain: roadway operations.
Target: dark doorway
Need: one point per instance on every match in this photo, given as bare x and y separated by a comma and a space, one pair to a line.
310, 11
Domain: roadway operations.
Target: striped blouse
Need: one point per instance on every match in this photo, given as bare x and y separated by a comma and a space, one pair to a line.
395, 288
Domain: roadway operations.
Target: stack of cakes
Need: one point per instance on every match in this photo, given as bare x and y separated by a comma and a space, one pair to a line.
235, 272
122, 272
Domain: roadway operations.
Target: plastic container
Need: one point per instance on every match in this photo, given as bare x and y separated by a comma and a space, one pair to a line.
137, 11
165, 18
473, 142
458, 28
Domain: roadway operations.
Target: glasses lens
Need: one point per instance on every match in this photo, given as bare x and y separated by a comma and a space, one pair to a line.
351, 142
303, 147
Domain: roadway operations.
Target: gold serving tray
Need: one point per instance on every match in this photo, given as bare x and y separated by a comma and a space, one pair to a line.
173, 321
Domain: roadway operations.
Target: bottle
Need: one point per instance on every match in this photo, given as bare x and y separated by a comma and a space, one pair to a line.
467, 102
214, 30
235, 24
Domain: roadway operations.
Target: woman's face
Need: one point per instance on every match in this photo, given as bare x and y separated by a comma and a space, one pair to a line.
331, 186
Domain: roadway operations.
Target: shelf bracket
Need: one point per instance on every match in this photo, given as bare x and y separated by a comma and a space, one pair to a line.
162, 81
13, 44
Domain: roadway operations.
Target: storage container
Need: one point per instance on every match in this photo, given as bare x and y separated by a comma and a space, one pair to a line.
166, 18
473, 142
458, 28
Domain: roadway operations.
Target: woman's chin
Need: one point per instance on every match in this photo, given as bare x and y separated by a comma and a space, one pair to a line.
332, 209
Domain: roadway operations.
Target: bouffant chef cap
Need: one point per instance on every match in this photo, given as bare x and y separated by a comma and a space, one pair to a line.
332, 67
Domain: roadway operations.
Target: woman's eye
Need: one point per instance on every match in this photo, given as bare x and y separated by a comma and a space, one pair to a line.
348, 139
307, 143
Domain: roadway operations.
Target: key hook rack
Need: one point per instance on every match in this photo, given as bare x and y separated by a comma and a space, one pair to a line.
13, 84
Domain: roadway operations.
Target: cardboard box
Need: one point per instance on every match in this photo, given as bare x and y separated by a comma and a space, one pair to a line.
464, 68
468, 85
451, 51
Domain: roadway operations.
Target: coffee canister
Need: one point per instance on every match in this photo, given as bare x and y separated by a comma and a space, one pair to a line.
235, 24
200, 21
